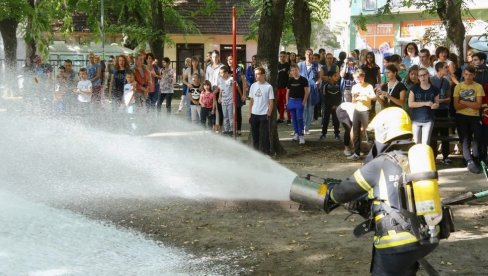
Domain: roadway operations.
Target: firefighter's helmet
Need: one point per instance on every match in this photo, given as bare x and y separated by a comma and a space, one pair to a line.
390, 123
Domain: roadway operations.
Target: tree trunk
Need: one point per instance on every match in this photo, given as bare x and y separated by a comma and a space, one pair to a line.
30, 44
270, 30
8, 28
450, 12
302, 25
156, 42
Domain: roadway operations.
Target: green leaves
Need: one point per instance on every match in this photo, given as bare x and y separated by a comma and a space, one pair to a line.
13, 9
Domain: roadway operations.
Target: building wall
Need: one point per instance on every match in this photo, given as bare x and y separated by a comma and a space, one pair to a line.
211, 42
388, 33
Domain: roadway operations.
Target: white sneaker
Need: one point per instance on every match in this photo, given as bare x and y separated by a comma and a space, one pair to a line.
295, 137
353, 157
307, 132
293, 133
347, 152
301, 140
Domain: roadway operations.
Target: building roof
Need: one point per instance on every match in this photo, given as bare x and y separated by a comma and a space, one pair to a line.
220, 20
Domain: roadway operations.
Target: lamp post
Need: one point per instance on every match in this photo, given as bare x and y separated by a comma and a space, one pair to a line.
102, 27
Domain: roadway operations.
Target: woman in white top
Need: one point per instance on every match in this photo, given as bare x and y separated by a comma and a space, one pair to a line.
411, 55
442, 54
166, 80
362, 95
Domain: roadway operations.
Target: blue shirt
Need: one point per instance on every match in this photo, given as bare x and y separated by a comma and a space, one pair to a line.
423, 114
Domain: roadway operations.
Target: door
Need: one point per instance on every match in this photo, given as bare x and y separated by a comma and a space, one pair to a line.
187, 50
226, 50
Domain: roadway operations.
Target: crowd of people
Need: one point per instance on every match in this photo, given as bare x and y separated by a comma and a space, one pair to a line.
349, 89
434, 89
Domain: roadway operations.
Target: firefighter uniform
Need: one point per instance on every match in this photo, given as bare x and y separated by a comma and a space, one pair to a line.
397, 245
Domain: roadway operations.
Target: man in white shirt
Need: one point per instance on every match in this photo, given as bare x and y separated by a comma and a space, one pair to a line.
424, 56
262, 96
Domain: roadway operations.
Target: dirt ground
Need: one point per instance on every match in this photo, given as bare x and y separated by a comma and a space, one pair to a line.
276, 238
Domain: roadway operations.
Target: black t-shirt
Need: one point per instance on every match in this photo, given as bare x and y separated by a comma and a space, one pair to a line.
297, 87
395, 92
332, 94
283, 76
119, 80
194, 94
371, 74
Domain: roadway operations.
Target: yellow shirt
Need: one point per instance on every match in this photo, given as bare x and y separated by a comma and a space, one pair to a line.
363, 96
468, 93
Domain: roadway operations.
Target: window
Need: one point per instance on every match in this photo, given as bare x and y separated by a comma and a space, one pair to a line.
369, 5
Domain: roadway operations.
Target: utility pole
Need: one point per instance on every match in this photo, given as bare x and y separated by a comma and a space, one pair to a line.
103, 30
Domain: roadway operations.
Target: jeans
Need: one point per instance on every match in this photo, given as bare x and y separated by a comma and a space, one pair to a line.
469, 131
295, 107
327, 111
195, 113
206, 117
228, 116
422, 132
260, 132
484, 142
239, 117
441, 132
308, 114
162, 97
346, 123
359, 119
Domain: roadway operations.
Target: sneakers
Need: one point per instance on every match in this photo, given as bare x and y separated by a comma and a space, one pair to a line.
472, 167
288, 122
280, 121
446, 161
353, 157
307, 132
322, 137
292, 133
295, 137
301, 140
337, 137
347, 152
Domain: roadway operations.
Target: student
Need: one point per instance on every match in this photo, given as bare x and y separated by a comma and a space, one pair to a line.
296, 99
442, 83
60, 89
194, 94
226, 99
467, 102
84, 91
331, 99
117, 81
362, 94
208, 105
345, 115
392, 93
260, 107
422, 101
283, 76
166, 79
129, 91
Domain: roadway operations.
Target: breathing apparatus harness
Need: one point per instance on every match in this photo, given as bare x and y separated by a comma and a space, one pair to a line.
406, 218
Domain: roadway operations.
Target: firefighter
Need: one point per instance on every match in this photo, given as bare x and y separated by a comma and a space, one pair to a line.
400, 240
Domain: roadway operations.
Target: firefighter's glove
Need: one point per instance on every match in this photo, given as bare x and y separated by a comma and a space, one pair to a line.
329, 204
361, 207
